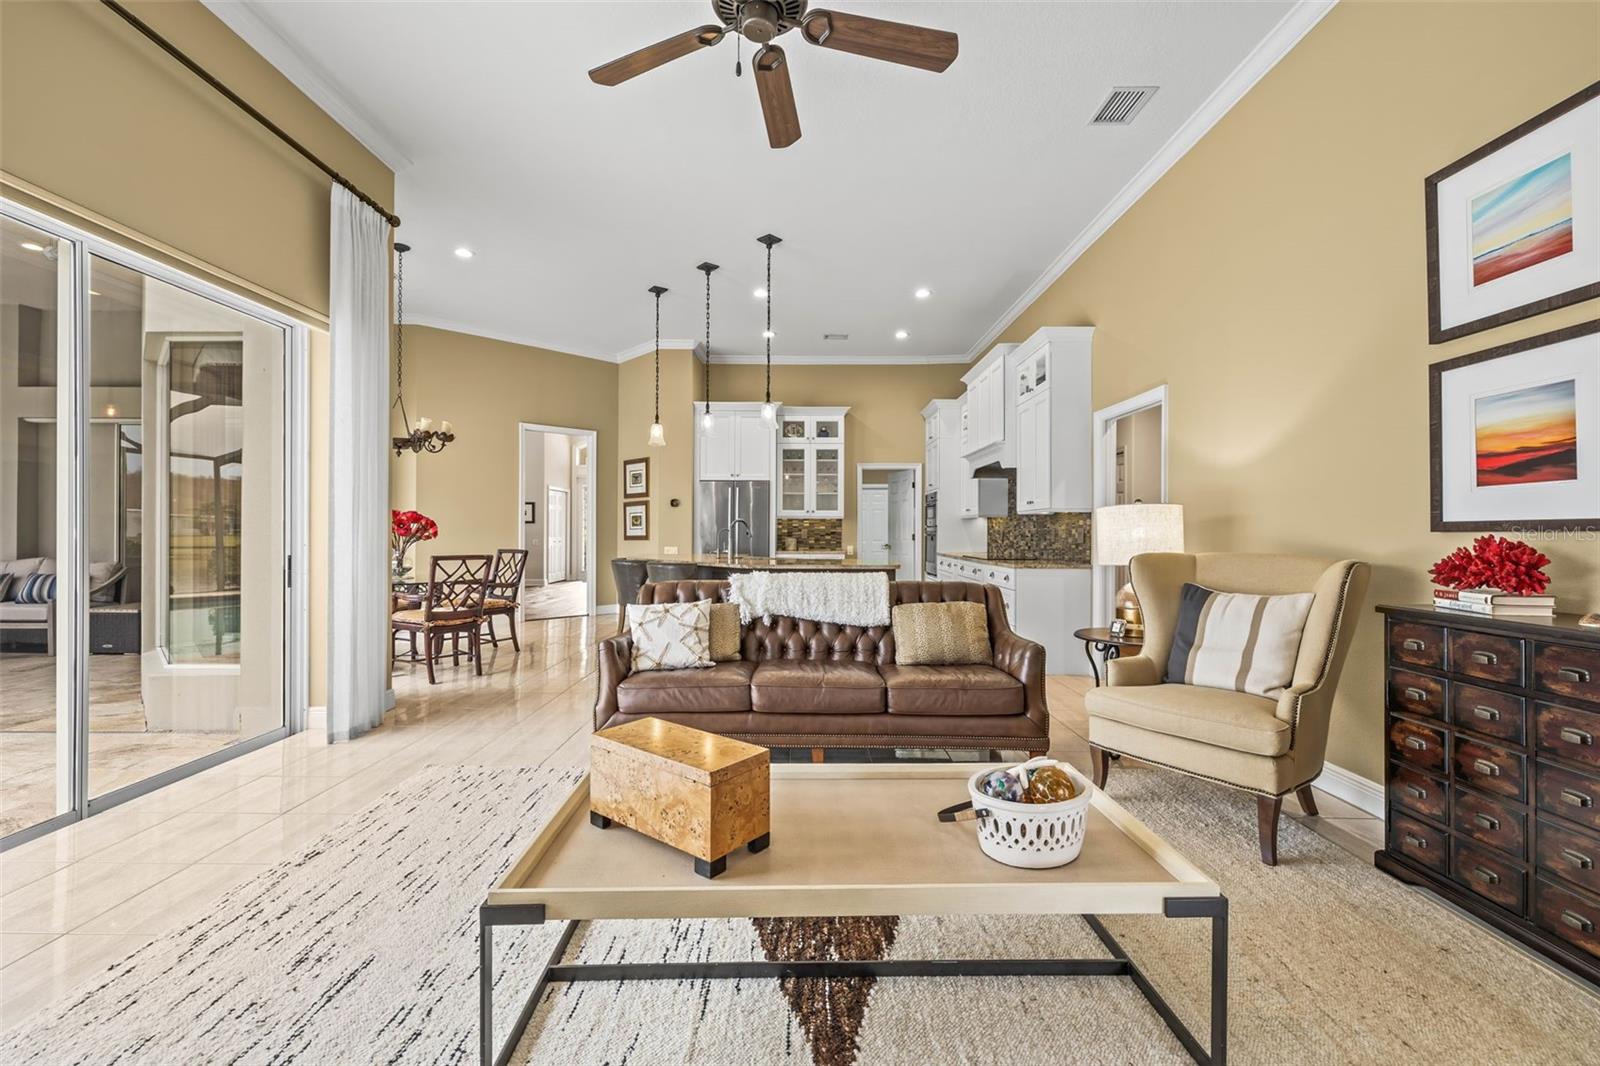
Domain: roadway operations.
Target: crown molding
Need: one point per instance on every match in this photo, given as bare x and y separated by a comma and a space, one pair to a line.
1263, 57
835, 360
246, 22
647, 347
453, 326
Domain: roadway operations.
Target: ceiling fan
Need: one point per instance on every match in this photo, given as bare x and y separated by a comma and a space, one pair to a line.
760, 21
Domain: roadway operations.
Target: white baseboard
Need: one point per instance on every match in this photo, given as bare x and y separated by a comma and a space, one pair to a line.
388, 699
605, 608
1358, 791
316, 719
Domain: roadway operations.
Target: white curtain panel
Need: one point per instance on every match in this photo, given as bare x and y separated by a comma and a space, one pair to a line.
358, 482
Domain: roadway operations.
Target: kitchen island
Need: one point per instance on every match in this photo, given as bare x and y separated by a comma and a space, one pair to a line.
631, 572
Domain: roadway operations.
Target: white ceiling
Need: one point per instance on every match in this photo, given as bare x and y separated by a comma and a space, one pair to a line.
976, 183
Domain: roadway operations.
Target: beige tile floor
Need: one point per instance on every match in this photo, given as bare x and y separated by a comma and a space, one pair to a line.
79, 899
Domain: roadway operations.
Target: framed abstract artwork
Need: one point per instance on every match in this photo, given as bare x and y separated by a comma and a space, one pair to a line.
1514, 227
1515, 434
636, 521
635, 478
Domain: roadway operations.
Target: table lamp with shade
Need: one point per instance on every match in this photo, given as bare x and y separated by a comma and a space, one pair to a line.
1128, 529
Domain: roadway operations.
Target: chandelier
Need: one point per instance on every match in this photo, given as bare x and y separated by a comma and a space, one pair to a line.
423, 436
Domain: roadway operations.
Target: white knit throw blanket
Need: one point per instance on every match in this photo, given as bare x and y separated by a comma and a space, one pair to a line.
843, 598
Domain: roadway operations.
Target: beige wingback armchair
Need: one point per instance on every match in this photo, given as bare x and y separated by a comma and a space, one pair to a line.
1267, 747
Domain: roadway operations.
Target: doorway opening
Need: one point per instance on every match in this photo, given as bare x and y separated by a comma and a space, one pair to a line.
1130, 466
888, 516
555, 478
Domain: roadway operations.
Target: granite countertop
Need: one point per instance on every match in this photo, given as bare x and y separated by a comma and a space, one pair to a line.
1019, 564
762, 562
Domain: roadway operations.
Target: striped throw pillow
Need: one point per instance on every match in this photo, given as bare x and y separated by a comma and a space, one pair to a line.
38, 588
1236, 641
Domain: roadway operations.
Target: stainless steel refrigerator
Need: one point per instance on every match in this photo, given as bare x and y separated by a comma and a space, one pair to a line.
719, 503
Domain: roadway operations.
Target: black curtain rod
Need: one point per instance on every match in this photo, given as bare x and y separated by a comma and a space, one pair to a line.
204, 75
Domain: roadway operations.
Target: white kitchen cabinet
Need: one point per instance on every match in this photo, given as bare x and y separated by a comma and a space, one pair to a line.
988, 409
811, 463
737, 447
1049, 382
1044, 604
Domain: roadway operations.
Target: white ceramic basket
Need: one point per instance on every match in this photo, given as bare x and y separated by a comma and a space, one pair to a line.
1034, 836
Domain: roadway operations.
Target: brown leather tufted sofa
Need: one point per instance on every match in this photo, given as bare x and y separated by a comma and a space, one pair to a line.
806, 684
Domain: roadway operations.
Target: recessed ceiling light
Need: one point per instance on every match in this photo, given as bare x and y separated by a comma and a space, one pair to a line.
32, 247
760, 294
900, 334
767, 333
923, 294
463, 252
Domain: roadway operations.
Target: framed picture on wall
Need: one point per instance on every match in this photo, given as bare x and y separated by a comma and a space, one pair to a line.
635, 478
1515, 434
636, 521
1514, 227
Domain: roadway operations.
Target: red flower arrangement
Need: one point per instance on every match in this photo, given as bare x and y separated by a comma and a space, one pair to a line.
1494, 562
405, 529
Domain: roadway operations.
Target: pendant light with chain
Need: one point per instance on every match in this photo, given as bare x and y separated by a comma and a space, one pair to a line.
769, 410
705, 419
422, 437
658, 436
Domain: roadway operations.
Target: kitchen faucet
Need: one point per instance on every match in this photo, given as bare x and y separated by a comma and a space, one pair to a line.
732, 533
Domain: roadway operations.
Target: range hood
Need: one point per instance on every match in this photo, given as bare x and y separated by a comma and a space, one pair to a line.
994, 489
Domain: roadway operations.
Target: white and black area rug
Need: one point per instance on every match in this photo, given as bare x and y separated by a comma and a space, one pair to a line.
363, 949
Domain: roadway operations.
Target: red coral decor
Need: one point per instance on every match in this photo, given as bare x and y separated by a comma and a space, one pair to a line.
1496, 563
406, 528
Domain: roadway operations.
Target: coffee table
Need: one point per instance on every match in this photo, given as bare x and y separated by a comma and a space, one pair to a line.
855, 840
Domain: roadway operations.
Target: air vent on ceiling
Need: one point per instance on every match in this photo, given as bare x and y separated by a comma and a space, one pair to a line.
836, 336
1124, 103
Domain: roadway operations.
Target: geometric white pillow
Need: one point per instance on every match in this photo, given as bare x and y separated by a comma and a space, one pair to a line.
670, 636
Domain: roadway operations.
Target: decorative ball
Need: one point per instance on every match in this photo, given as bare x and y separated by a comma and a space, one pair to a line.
997, 784
1049, 784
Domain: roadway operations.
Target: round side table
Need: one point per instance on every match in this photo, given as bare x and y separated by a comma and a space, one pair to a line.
1109, 646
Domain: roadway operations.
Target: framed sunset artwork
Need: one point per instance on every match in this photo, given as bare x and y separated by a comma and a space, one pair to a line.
1516, 434
1514, 227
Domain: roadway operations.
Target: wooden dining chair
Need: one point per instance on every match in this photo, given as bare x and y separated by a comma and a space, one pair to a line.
505, 592
452, 606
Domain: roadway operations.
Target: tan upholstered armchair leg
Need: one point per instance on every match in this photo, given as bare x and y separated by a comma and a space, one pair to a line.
1100, 760
1267, 810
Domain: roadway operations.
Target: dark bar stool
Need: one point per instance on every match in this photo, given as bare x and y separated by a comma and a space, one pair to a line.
672, 571
629, 575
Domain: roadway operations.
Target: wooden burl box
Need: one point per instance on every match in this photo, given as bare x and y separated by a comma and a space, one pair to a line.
703, 794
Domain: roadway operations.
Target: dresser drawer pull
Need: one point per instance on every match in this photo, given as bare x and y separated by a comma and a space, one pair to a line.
1413, 644
1417, 694
1577, 673
1416, 841
1578, 859
1577, 736
1577, 921
1416, 792
1574, 798
1487, 821
1486, 875
1485, 767
1487, 658
1488, 714
1416, 744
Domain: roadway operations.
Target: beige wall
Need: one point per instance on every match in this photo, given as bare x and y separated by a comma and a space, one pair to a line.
1275, 279
885, 420
100, 128
487, 387
671, 467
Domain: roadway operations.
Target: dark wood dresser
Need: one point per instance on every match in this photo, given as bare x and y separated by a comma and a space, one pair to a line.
1493, 772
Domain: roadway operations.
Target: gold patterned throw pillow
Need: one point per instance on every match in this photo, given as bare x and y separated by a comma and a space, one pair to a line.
941, 634
670, 636
725, 632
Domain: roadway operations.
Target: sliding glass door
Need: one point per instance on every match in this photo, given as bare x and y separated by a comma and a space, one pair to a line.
151, 463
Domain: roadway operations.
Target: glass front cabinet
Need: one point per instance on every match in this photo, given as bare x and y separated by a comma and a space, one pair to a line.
811, 462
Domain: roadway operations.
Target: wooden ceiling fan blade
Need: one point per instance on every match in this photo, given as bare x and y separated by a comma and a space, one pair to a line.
652, 56
896, 42
777, 96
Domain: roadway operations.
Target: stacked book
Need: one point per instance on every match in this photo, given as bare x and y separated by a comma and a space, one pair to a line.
1494, 603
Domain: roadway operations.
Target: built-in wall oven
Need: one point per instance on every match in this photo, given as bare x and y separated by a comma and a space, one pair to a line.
930, 537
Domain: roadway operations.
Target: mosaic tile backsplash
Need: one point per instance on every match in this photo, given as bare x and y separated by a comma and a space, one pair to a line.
1064, 537
811, 534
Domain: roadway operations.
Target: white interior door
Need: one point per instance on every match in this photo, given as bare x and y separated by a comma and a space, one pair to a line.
903, 525
555, 539
872, 525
